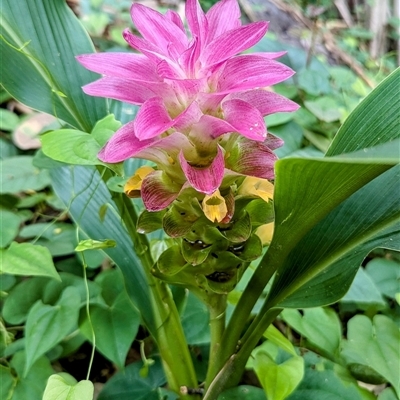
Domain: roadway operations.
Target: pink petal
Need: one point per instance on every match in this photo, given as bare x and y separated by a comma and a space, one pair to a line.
245, 118
208, 179
165, 151
168, 70
189, 117
123, 145
120, 65
158, 191
174, 17
152, 119
190, 56
197, 20
153, 52
134, 92
211, 127
222, 17
252, 158
266, 102
273, 142
233, 42
250, 72
270, 55
158, 29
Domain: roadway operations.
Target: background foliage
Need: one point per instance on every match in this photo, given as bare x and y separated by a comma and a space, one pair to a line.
47, 208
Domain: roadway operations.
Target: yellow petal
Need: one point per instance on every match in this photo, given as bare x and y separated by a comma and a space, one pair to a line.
214, 207
259, 187
265, 232
133, 185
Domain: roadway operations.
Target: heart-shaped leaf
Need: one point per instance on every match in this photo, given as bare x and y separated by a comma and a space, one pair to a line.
65, 387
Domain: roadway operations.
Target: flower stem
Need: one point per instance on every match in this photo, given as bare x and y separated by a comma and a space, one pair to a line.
232, 370
217, 306
168, 332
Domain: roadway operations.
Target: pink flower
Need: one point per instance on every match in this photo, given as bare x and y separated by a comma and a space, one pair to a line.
202, 104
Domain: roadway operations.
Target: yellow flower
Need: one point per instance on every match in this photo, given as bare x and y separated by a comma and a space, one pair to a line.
214, 207
265, 233
133, 185
259, 187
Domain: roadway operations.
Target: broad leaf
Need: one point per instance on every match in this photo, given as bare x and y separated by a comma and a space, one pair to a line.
18, 174
115, 328
320, 326
27, 259
278, 373
21, 298
64, 387
243, 393
374, 121
14, 385
98, 219
364, 292
48, 325
307, 195
326, 260
386, 275
326, 380
40, 39
129, 384
9, 223
374, 344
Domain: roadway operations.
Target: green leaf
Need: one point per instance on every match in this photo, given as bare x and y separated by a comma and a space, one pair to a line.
39, 40
324, 108
323, 264
129, 384
28, 259
105, 128
8, 120
325, 380
79, 184
243, 392
374, 344
387, 394
71, 146
9, 223
292, 134
18, 175
58, 238
364, 292
386, 275
16, 386
195, 321
312, 82
278, 373
374, 121
21, 298
320, 326
64, 387
48, 325
278, 119
115, 328
90, 244
275, 336
319, 242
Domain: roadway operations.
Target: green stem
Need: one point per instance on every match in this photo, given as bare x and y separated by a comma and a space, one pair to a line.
217, 307
232, 371
239, 318
169, 335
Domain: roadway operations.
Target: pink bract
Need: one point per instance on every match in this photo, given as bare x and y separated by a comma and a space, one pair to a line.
193, 90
